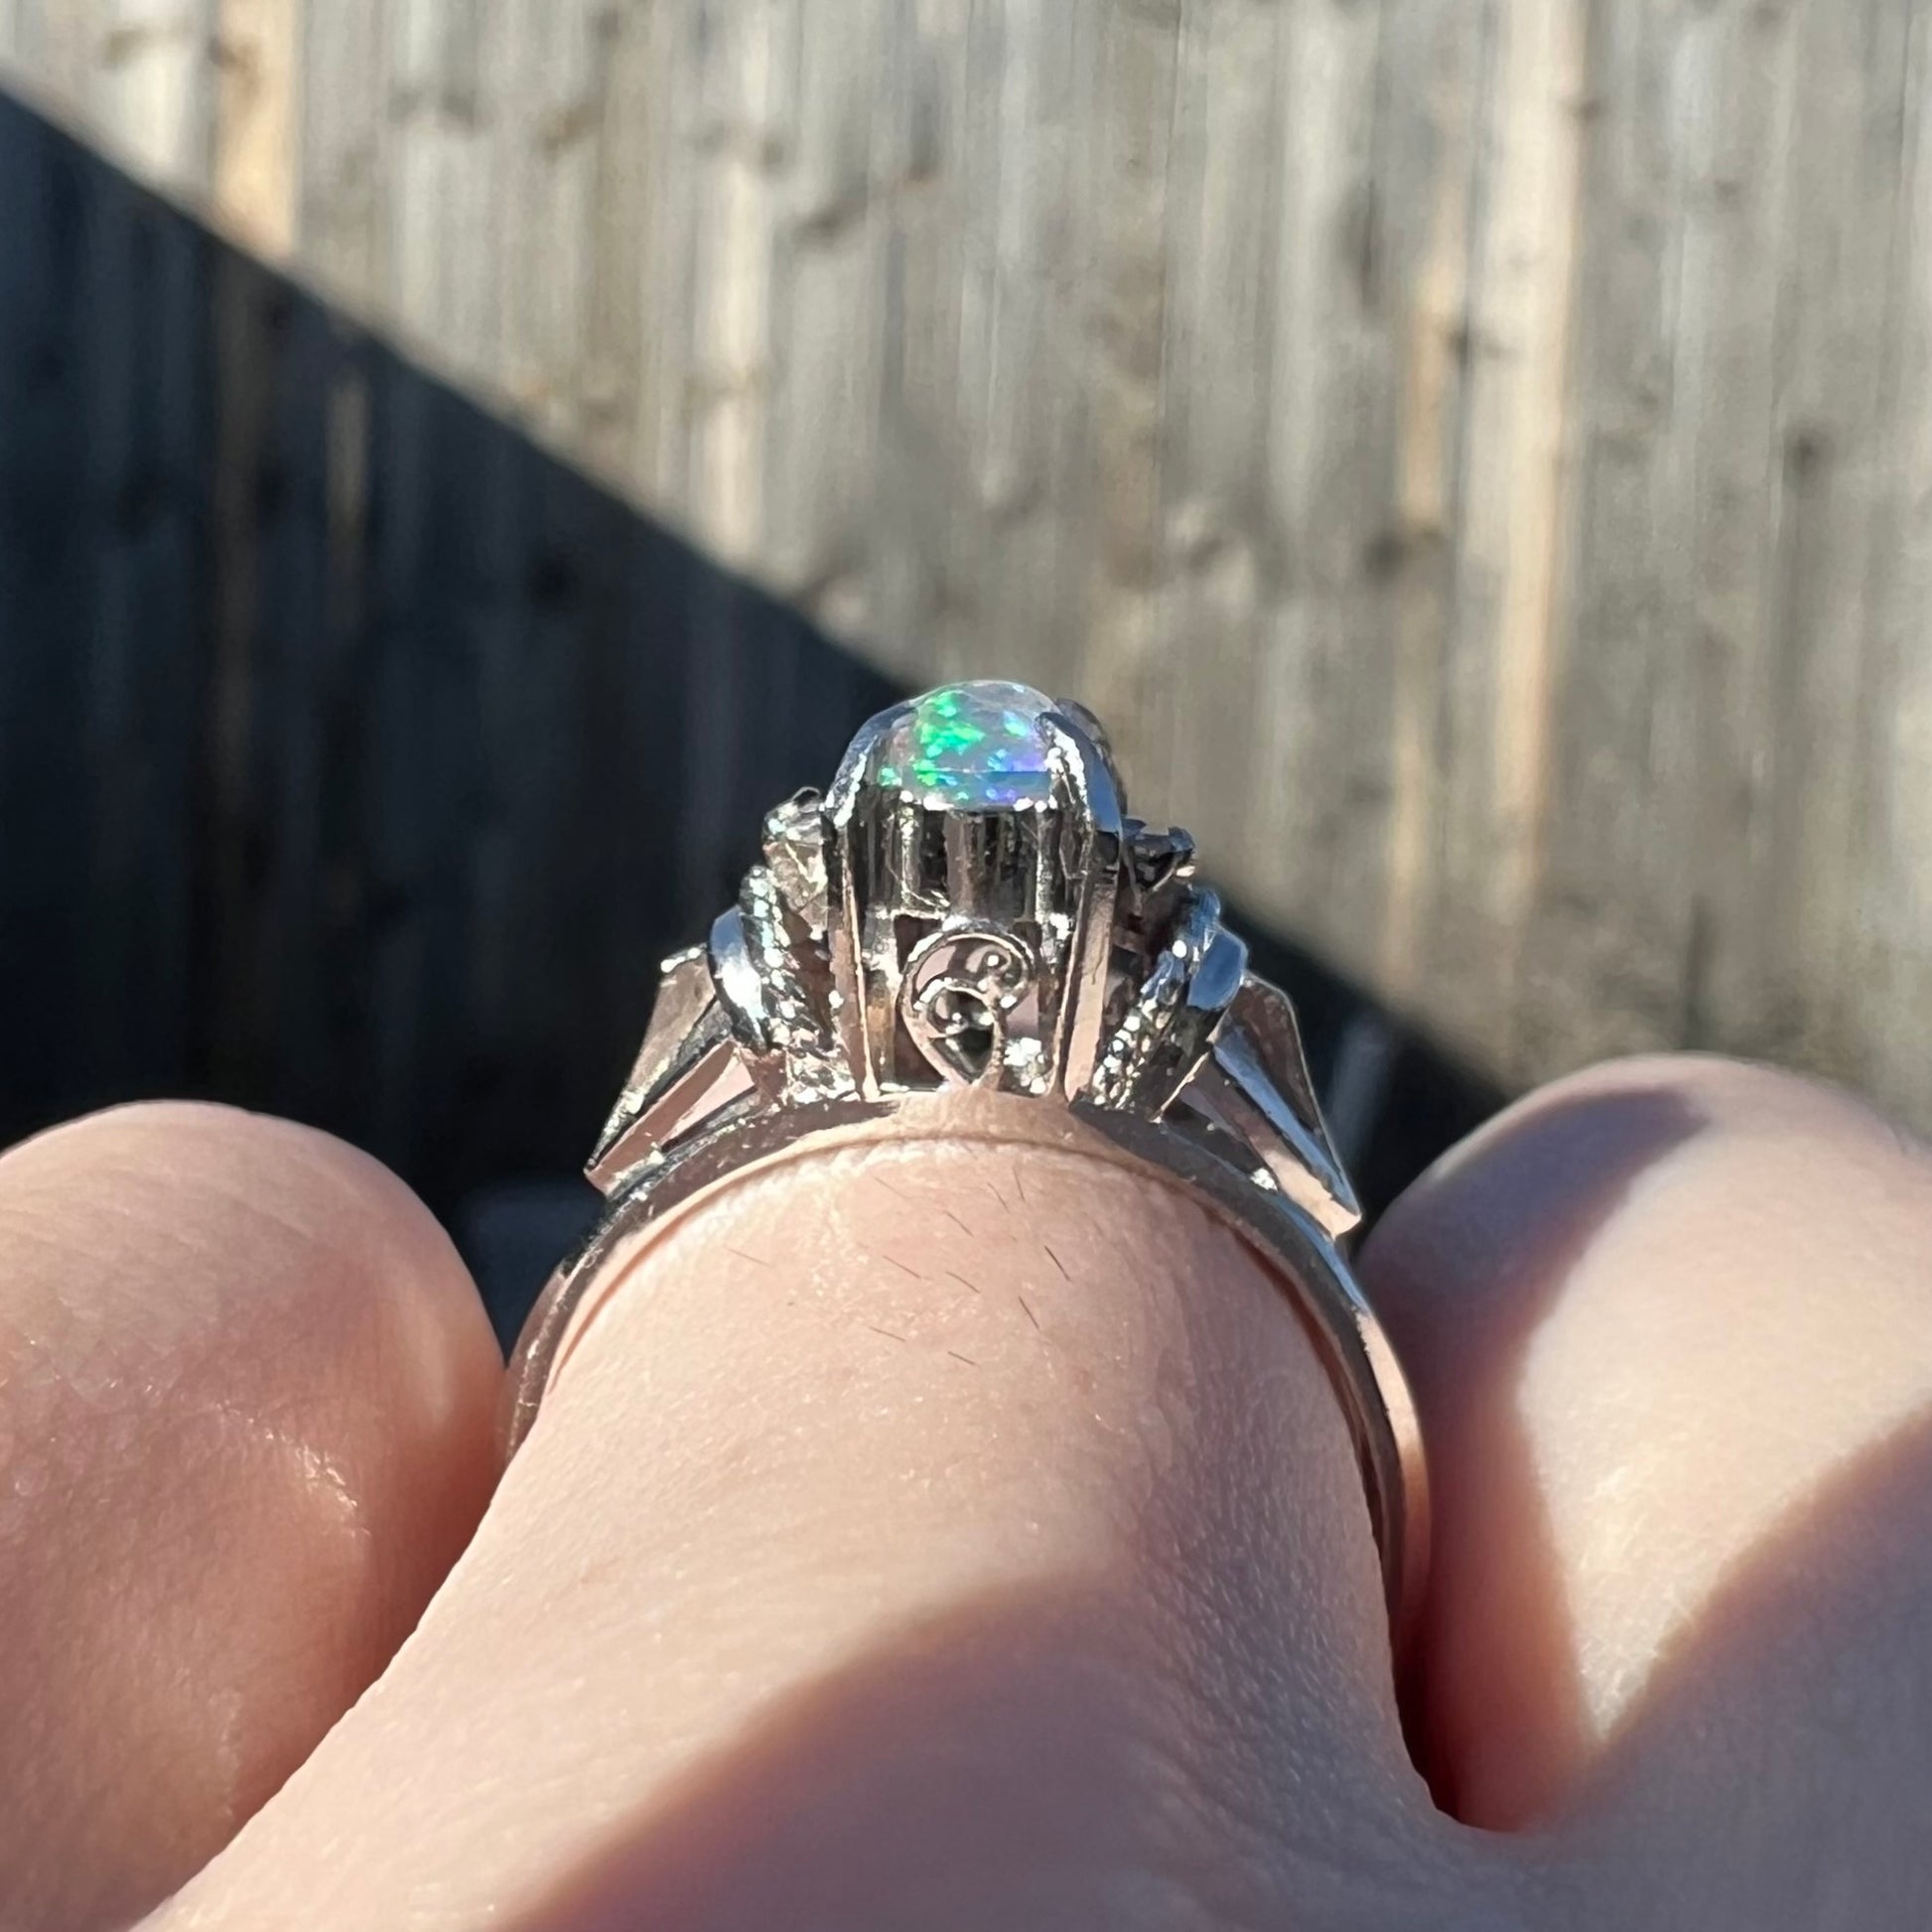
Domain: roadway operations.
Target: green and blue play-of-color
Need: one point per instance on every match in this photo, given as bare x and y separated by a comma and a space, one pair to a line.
972, 747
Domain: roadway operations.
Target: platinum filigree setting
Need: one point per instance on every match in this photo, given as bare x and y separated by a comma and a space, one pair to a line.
968, 933
969, 906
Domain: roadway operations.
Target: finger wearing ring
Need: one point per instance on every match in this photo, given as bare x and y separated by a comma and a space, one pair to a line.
968, 935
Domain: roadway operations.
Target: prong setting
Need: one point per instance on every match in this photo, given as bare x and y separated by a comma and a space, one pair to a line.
967, 935
970, 906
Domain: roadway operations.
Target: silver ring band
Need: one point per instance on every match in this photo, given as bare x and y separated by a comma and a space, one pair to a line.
968, 938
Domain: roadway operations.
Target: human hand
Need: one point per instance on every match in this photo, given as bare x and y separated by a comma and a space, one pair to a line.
940, 1535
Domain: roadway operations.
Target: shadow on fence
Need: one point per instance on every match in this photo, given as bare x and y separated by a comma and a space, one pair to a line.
358, 759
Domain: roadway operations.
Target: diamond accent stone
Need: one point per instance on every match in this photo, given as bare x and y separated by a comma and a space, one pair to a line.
794, 849
814, 1066
1145, 1029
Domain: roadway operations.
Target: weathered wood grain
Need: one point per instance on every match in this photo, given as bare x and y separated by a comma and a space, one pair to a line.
357, 761
1477, 452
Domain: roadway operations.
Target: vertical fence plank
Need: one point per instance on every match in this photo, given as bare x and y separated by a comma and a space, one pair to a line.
342, 189
150, 85
1314, 828
1895, 901
253, 169
44, 651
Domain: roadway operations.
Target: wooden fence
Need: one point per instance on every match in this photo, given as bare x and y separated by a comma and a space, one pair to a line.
359, 760
1477, 453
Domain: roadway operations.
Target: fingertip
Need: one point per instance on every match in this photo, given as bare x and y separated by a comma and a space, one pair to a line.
1637, 1332
249, 1394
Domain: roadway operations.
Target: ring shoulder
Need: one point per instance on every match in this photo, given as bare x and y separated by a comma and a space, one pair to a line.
1254, 1083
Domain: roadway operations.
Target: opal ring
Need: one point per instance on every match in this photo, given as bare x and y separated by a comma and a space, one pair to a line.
967, 935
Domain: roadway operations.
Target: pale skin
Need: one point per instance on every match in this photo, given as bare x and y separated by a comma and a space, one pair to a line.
954, 1536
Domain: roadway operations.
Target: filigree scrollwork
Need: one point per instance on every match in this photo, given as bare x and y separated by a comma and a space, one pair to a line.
962, 995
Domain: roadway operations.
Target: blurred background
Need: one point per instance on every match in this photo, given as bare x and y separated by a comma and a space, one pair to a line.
461, 460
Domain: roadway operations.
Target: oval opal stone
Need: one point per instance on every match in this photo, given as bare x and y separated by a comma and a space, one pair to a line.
973, 747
